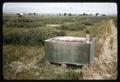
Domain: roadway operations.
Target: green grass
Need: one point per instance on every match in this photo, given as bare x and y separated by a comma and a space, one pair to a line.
33, 29
23, 48
27, 62
37, 21
20, 53
29, 36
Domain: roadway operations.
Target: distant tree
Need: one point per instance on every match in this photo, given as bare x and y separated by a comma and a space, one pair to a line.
20, 14
103, 15
97, 14
59, 14
69, 14
65, 14
29, 13
90, 14
84, 14
34, 13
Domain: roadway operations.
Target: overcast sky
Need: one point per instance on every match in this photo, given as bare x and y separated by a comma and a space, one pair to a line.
75, 8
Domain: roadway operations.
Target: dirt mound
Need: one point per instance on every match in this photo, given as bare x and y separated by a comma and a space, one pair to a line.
105, 65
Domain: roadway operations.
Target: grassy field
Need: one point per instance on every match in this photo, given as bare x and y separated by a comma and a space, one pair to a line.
23, 43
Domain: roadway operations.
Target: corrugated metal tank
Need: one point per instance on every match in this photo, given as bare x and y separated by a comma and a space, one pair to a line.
70, 50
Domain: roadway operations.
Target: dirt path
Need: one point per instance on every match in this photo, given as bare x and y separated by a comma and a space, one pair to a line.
105, 66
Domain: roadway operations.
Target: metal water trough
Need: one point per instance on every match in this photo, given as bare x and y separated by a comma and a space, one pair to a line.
70, 50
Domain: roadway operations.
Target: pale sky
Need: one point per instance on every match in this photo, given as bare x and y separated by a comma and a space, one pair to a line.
75, 8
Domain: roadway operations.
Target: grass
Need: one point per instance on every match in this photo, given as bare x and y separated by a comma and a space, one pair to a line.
33, 29
21, 53
20, 61
23, 48
29, 36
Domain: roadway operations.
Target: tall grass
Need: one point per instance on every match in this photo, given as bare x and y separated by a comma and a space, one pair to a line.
34, 29
32, 36
35, 21
23, 57
73, 26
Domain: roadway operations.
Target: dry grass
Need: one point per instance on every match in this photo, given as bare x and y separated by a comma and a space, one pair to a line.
28, 62
105, 64
17, 56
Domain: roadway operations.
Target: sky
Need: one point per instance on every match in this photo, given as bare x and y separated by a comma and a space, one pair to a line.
75, 8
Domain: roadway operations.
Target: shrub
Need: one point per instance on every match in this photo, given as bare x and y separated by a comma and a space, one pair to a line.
26, 22
73, 26
33, 36
59, 33
89, 23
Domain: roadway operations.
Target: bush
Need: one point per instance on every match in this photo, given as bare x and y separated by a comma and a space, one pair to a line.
26, 22
73, 26
87, 31
59, 33
33, 36
89, 23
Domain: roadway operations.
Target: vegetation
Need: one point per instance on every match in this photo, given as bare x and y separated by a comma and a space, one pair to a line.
32, 36
23, 43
